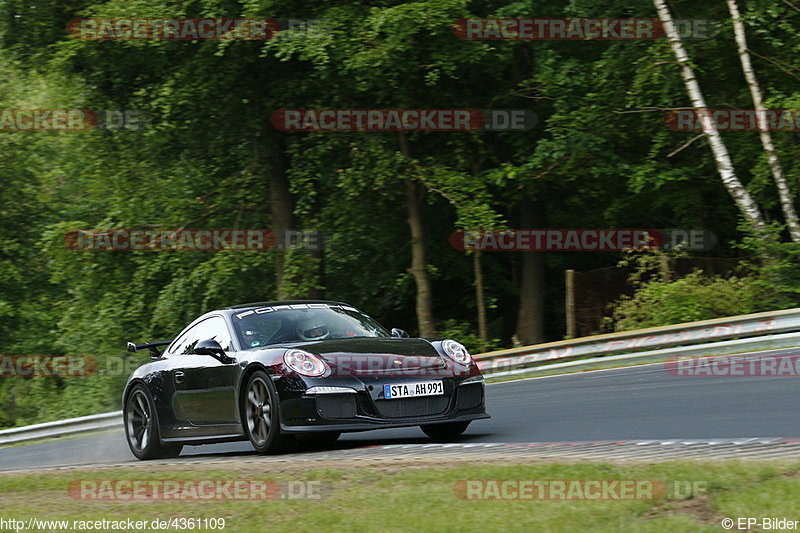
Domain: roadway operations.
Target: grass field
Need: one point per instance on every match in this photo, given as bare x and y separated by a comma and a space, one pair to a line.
407, 497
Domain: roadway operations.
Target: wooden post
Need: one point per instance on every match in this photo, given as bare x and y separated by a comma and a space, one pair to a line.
480, 298
664, 267
570, 282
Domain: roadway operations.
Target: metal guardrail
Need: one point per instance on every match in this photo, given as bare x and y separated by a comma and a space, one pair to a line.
690, 333
62, 428
755, 344
760, 331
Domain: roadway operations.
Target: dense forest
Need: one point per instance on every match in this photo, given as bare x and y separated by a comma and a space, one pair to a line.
600, 153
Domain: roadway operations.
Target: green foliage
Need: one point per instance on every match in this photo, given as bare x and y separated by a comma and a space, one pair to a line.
466, 334
658, 300
299, 269
696, 296
776, 262
598, 157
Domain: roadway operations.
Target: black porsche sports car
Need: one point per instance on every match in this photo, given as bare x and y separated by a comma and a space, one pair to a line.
270, 371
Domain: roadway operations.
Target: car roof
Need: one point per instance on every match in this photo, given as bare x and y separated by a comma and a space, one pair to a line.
284, 302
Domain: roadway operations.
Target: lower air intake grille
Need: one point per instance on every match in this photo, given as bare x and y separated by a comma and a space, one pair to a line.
336, 405
470, 395
409, 407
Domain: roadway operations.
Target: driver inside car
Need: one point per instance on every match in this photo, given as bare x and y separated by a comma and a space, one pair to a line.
313, 330
252, 338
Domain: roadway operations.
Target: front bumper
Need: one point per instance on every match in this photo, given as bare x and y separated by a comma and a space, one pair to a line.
365, 408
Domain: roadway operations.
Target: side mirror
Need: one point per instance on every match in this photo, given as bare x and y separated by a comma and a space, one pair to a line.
399, 333
212, 348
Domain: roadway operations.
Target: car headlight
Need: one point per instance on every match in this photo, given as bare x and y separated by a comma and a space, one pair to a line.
456, 352
304, 363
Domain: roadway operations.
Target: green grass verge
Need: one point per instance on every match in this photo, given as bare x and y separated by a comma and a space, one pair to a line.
389, 498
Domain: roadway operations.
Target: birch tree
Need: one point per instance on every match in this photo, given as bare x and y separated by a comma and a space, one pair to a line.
785, 195
743, 200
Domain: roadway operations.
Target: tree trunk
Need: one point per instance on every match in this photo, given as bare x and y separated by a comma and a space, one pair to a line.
480, 298
787, 205
281, 208
744, 202
530, 320
419, 264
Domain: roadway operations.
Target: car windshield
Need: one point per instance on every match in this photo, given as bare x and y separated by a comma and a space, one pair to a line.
303, 322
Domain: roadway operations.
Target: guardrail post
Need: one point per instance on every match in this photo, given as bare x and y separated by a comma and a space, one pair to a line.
570, 303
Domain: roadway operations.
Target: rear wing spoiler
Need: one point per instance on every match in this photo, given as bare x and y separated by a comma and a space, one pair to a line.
152, 346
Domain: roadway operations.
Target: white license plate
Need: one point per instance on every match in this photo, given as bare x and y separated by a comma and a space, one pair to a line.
412, 390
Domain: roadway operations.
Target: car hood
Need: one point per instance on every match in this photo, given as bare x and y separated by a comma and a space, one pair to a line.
371, 345
376, 356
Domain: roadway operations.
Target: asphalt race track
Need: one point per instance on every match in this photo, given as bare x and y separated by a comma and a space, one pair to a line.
629, 404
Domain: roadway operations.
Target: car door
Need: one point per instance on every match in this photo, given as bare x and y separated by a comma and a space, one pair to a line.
205, 387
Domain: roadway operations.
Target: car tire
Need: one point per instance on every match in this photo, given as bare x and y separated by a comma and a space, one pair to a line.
445, 432
141, 427
261, 416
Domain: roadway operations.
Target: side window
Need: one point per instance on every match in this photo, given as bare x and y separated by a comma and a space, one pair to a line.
192, 336
179, 346
210, 328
